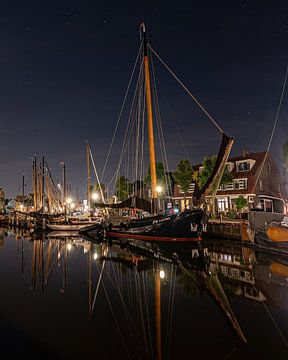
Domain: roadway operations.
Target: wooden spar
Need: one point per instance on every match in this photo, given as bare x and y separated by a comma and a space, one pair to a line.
64, 188
158, 314
35, 181
88, 176
150, 122
43, 185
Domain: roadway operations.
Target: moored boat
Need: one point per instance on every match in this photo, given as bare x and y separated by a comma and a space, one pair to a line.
187, 225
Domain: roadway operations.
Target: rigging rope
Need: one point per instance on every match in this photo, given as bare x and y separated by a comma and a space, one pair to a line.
187, 90
120, 114
96, 174
161, 133
128, 131
273, 130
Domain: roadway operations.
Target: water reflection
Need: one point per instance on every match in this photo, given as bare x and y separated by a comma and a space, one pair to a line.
145, 286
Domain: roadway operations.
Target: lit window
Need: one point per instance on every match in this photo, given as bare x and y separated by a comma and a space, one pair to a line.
240, 184
243, 166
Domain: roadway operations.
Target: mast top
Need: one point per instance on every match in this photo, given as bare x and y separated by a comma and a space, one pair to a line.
143, 38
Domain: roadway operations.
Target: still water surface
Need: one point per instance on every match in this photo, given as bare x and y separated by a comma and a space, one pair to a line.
70, 298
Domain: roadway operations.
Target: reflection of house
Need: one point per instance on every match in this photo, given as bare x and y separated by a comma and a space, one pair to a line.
229, 261
245, 170
2, 200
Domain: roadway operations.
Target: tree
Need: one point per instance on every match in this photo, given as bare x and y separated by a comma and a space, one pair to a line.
200, 177
240, 203
160, 175
123, 188
183, 176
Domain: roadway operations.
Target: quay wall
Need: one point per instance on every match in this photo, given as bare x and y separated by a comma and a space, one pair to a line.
227, 229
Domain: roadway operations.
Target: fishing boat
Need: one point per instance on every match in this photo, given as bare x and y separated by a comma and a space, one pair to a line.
189, 224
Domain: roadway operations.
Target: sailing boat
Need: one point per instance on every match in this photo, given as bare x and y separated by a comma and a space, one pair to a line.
188, 225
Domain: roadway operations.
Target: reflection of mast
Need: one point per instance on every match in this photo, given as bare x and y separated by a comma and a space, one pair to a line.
150, 122
35, 181
90, 282
158, 314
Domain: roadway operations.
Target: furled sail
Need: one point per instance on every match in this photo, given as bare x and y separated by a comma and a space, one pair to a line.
212, 184
133, 202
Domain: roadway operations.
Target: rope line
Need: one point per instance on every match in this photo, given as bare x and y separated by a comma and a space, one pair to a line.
187, 90
120, 114
273, 130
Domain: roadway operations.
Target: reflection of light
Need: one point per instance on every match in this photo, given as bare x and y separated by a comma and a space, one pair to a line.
162, 274
58, 255
159, 189
59, 186
21, 207
68, 200
69, 247
95, 196
176, 211
95, 256
72, 206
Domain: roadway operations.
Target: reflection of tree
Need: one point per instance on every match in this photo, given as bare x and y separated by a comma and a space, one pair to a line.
189, 283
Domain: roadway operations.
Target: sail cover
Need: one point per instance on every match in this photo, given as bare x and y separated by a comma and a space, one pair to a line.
132, 203
214, 179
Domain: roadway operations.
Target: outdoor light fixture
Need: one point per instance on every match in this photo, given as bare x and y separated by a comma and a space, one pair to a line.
95, 196
162, 274
159, 189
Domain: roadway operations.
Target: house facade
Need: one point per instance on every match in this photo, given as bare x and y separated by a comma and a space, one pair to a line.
258, 181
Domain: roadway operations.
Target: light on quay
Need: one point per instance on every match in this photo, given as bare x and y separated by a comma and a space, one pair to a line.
95, 196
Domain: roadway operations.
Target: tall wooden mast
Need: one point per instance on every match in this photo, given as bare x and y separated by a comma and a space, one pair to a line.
88, 176
150, 121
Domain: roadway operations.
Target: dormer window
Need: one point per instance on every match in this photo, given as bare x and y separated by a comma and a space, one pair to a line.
243, 166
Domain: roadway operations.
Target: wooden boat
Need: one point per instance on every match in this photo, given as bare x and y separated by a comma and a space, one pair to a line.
67, 227
189, 224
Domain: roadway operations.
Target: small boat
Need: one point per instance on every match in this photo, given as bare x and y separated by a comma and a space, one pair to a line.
67, 227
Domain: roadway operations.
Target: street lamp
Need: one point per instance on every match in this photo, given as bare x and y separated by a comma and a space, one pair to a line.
159, 189
95, 196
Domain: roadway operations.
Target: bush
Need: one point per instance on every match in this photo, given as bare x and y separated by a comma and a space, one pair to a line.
231, 214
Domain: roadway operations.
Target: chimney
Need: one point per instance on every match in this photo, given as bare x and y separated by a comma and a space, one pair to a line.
245, 153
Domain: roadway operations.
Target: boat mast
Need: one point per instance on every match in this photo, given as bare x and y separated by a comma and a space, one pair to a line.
35, 181
88, 176
150, 121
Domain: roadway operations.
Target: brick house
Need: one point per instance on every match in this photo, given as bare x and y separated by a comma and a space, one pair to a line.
267, 193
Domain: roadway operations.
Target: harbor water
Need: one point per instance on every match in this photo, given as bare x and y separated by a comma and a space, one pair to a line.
68, 297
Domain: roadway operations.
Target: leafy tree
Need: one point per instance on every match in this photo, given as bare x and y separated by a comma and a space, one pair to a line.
240, 203
123, 188
208, 165
183, 176
160, 175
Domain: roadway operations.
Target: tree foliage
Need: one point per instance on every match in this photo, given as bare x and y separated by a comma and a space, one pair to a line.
200, 177
123, 188
240, 203
160, 175
183, 175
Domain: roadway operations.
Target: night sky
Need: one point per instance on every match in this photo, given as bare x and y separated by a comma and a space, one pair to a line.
65, 66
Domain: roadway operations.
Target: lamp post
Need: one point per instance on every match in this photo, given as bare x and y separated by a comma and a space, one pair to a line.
159, 191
